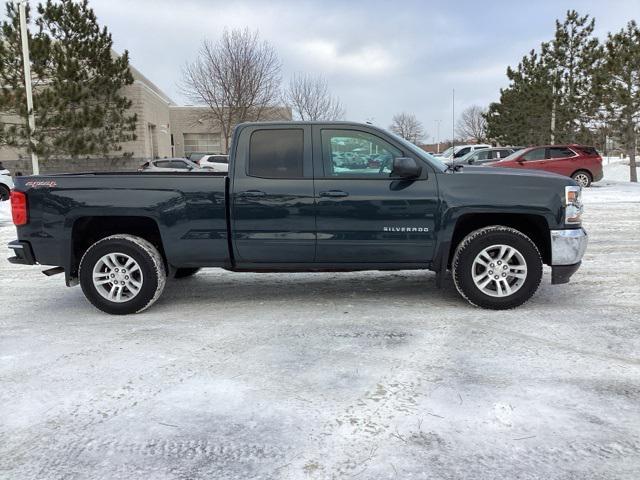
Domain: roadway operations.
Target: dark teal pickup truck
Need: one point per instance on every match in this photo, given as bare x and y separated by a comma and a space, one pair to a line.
303, 197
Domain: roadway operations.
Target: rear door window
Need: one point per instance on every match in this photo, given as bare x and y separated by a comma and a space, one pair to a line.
276, 153
560, 152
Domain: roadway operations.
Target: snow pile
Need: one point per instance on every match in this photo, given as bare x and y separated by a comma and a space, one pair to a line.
616, 171
5, 212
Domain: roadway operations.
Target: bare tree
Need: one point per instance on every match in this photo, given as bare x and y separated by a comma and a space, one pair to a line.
472, 124
408, 127
310, 99
237, 77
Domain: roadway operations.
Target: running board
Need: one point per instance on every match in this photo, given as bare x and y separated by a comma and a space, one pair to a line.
53, 271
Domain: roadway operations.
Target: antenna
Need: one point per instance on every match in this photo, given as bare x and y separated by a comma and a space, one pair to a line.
453, 127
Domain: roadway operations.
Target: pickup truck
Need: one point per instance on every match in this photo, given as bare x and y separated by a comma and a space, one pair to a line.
289, 203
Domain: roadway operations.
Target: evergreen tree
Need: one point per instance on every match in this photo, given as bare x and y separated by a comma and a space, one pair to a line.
523, 114
77, 82
571, 59
550, 97
619, 83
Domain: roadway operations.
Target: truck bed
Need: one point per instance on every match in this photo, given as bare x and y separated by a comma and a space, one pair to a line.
189, 210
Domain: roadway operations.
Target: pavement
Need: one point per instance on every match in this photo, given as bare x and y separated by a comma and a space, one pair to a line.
330, 375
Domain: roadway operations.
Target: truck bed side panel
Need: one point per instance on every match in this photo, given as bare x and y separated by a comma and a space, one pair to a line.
189, 210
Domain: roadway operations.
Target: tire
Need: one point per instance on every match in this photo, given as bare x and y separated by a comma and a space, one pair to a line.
583, 178
473, 259
5, 193
185, 272
144, 285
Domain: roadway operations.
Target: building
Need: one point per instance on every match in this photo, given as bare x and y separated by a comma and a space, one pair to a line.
163, 129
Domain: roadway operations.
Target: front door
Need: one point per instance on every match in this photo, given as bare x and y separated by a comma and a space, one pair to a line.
273, 211
364, 214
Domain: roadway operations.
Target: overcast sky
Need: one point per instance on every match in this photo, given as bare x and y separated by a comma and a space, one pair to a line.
379, 57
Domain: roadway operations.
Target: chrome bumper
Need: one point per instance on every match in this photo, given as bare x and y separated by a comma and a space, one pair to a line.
568, 246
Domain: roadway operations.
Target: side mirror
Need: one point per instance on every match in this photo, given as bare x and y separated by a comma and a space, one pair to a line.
471, 161
406, 167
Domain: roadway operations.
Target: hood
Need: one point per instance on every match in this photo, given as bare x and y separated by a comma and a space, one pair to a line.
517, 172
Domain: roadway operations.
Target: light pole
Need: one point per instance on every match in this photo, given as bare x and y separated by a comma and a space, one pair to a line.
24, 35
438, 135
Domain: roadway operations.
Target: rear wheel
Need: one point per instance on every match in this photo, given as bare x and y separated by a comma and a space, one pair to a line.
185, 272
583, 178
5, 193
122, 274
497, 267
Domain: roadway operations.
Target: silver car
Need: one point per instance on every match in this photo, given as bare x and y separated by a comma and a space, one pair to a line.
170, 165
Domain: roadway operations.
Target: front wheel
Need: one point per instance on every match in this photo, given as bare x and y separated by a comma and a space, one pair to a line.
497, 267
122, 274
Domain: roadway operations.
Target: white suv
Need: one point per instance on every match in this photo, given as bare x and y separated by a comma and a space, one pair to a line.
215, 163
6, 185
460, 151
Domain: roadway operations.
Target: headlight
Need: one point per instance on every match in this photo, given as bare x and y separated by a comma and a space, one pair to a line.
573, 205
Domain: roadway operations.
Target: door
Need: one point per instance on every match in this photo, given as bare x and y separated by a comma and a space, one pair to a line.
273, 206
561, 160
532, 159
364, 214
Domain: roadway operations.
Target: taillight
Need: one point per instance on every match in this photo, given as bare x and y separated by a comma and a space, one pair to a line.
19, 208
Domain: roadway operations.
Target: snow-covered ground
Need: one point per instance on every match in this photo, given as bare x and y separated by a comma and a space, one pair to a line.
358, 375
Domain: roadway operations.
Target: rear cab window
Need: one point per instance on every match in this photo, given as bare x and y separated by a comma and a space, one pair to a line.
276, 153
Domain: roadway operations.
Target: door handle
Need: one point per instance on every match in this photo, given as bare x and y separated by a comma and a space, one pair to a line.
334, 194
252, 193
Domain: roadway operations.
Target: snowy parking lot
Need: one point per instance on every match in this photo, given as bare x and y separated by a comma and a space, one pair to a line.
331, 375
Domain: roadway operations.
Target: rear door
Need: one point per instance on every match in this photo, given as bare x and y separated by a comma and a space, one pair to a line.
365, 215
272, 196
562, 160
535, 158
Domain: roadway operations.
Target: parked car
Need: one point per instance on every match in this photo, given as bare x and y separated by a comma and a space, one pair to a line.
460, 151
216, 163
484, 155
286, 206
196, 156
582, 163
169, 165
6, 185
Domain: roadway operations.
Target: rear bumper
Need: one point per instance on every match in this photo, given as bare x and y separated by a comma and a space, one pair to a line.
23, 253
598, 174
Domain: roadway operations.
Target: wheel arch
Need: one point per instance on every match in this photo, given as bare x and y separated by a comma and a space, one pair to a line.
533, 226
87, 230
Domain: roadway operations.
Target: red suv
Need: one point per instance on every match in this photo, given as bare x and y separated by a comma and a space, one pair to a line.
583, 164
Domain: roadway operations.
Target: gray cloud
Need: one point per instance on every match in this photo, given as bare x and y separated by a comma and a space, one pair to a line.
379, 57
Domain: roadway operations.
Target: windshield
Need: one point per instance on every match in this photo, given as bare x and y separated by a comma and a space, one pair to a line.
513, 156
448, 152
465, 158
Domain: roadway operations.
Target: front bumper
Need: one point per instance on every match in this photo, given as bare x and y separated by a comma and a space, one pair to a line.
23, 253
567, 249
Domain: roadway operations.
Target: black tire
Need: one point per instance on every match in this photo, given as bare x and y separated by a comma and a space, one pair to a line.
185, 272
476, 242
151, 266
5, 193
583, 178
